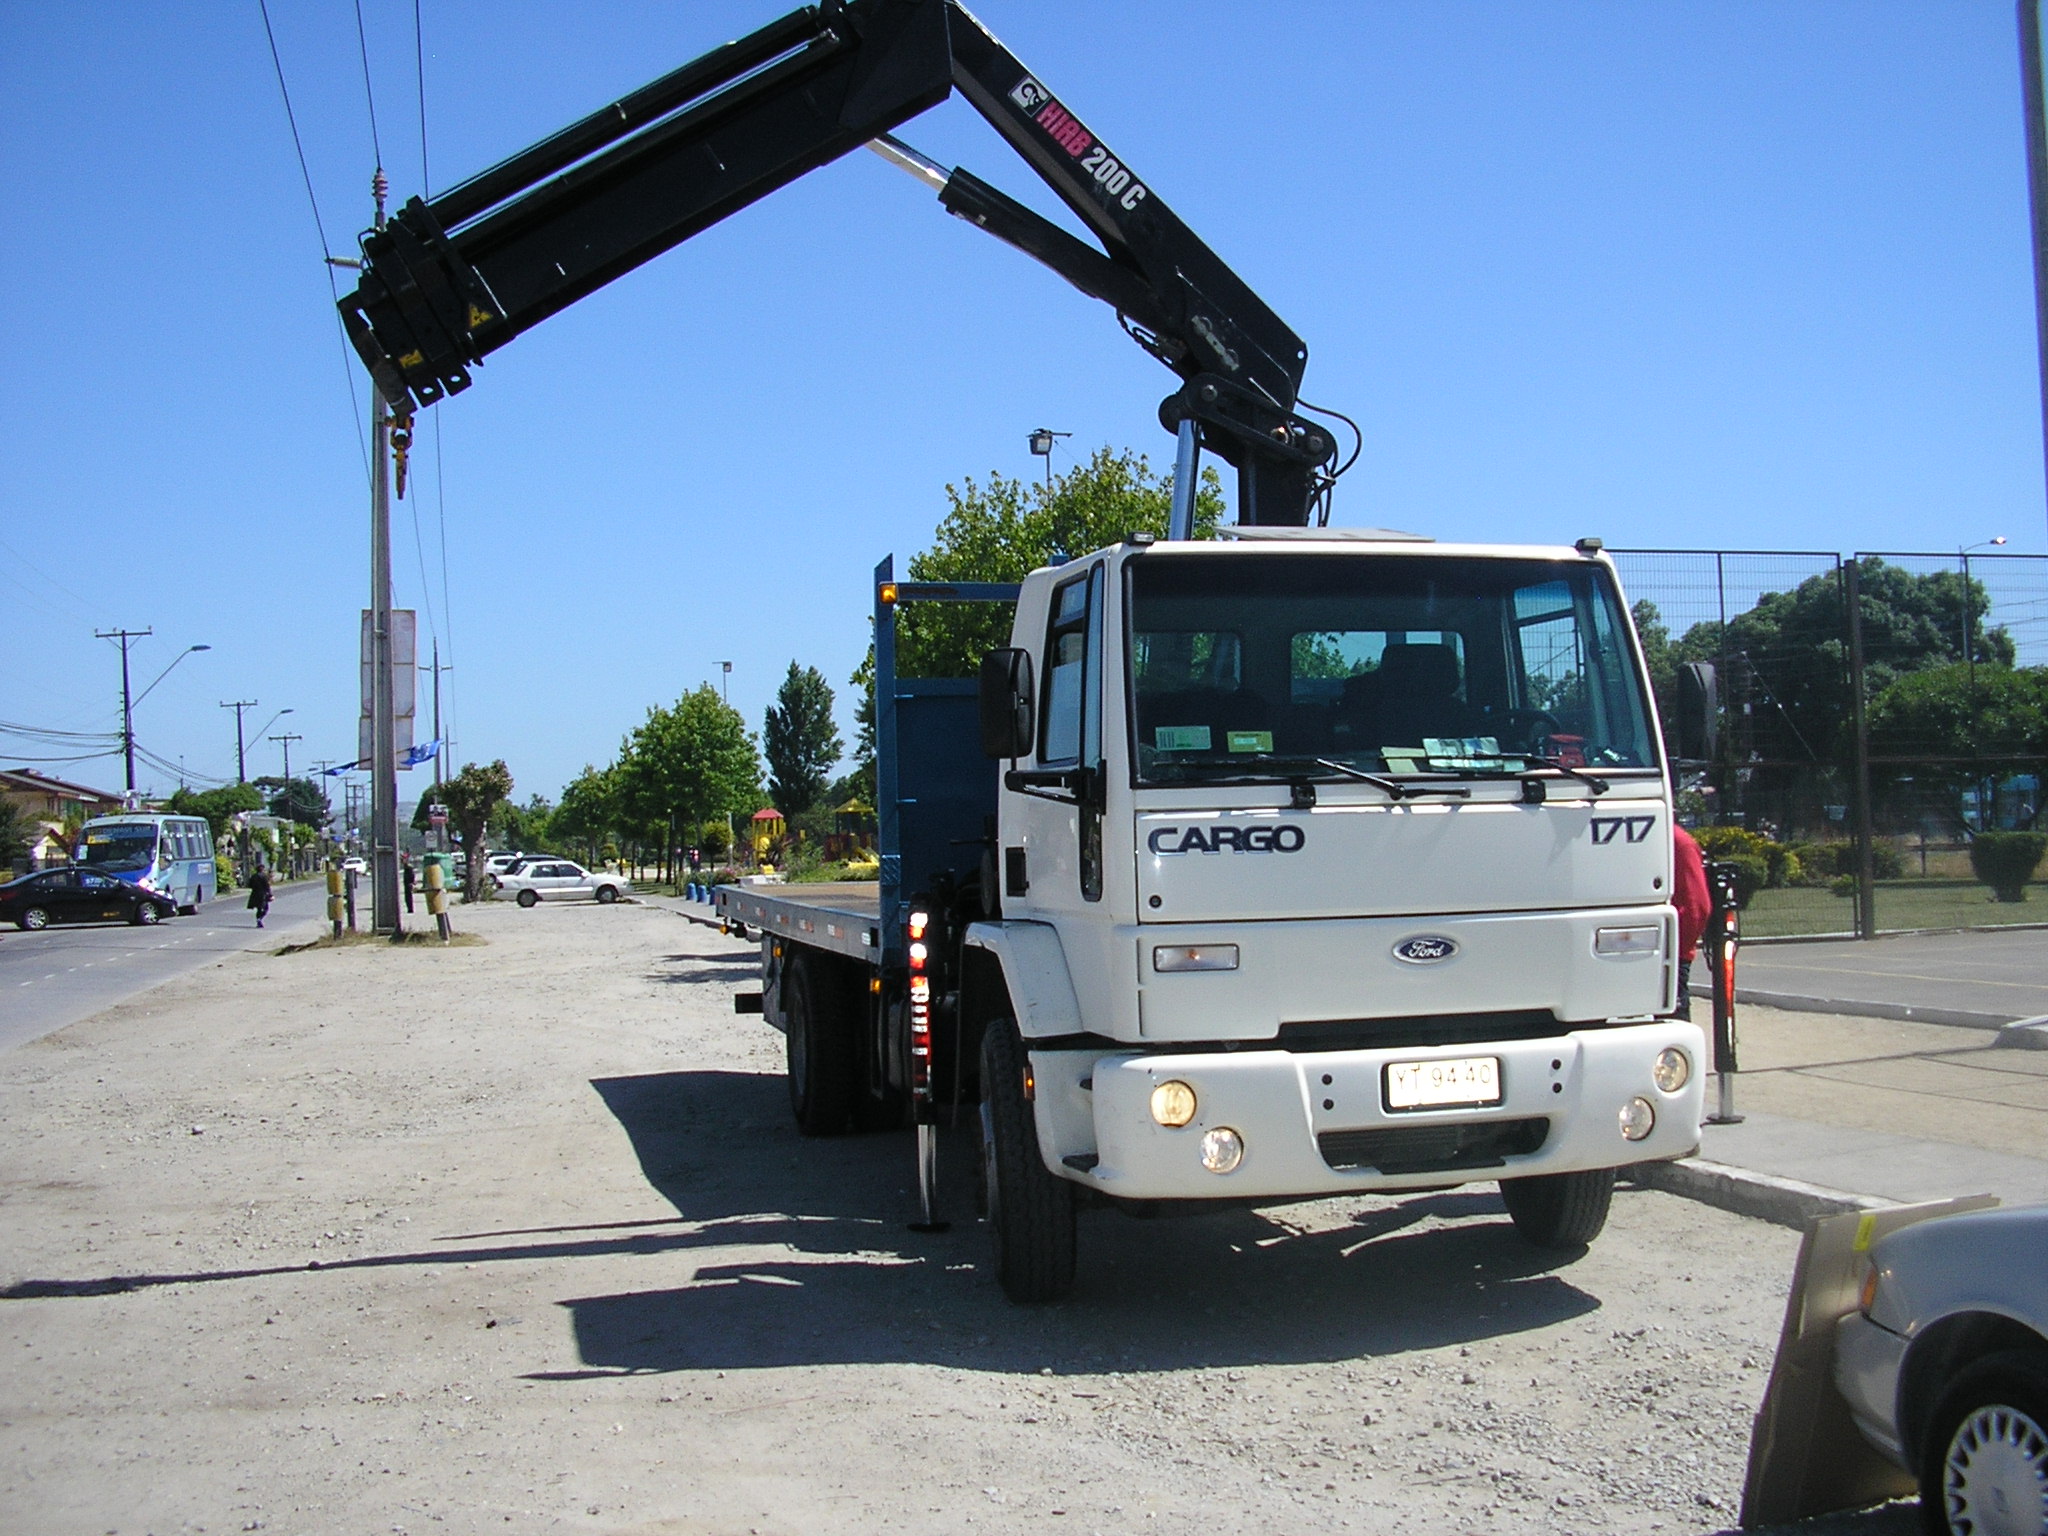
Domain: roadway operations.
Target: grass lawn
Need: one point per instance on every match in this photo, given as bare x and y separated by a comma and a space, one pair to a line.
1900, 904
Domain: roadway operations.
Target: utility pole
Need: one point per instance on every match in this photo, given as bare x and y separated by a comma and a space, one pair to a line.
286, 739
383, 729
127, 707
2036, 125
241, 756
440, 746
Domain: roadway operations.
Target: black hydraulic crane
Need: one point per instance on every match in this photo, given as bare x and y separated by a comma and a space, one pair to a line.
447, 282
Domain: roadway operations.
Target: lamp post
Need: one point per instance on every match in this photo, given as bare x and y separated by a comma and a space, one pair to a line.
725, 683
1970, 648
128, 708
1041, 444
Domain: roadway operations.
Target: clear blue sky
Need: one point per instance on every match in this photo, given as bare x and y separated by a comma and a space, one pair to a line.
1743, 274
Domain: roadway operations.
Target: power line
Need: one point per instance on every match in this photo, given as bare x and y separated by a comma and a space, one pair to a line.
419, 70
327, 257
363, 47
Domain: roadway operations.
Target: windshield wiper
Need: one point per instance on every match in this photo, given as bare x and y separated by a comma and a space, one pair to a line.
1290, 769
1592, 781
1394, 787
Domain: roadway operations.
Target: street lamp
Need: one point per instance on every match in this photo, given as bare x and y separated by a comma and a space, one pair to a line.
1041, 444
1969, 618
725, 683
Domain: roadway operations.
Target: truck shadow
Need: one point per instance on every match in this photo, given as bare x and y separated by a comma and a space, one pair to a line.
812, 1262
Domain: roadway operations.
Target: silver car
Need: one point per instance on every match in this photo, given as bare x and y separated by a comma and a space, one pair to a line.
551, 879
1945, 1366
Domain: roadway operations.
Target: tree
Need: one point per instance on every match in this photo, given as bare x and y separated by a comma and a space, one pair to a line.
14, 834
1005, 530
863, 682
688, 762
525, 827
1956, 726
800, 741
471, 796
588, 812
299, 800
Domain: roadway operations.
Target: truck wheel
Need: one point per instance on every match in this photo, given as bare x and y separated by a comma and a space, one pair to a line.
820, 1044
1030, 1209
1986, 1457
1560, 1210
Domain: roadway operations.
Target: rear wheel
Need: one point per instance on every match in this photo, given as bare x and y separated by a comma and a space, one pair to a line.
189, 911
1030, 1209
821, 1046
1984, 1471
528, 898
34, 919
1560, 1210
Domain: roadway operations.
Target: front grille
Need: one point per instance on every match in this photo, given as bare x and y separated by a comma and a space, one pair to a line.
1424, 1029
1434, 1148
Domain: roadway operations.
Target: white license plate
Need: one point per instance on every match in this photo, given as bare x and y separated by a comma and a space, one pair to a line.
1460, 1080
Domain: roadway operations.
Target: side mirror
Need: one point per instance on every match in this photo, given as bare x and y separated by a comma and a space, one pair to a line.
1699, 712
1006, 703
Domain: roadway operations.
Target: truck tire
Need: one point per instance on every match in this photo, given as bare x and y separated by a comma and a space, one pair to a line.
1560, 1210
1030, 1210
1987, 1447
821, 1046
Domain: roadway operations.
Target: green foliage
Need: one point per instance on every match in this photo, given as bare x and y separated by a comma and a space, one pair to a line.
2006, 861
588, 814
799, 740
14, 834
471, 796
218, 806
1821, 862
525, 827
1004, 530
1781, 865
223, 870
693, 760
1957, 711
297, 799
861, 782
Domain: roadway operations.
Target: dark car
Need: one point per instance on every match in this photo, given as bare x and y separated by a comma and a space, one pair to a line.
79, 896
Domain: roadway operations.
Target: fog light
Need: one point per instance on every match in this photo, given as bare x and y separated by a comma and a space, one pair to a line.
1638, 1119
1673, 1069
1173, 1103
1222, 1149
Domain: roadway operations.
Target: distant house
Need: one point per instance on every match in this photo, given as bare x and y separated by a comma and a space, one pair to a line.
46, 804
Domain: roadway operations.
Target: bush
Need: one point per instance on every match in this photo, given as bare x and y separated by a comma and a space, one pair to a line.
1752, 874
2006, 861
1820, 863
1781, 865
1842, 885
223, 872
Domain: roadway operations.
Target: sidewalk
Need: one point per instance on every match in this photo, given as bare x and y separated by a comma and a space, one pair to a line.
1847, 1103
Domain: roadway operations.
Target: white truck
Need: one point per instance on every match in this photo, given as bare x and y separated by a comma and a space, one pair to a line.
1315, 863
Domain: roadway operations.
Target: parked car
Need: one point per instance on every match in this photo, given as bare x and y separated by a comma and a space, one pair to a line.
73, 895
559, 880
502, 863
1945, 1366
357, 863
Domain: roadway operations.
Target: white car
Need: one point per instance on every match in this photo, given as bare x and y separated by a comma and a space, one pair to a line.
1945, 1366
559, 880
355, 863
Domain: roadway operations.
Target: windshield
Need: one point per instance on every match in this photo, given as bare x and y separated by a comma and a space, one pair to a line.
119, 847
1265, 663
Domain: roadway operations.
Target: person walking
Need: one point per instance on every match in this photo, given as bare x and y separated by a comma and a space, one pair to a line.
406, 866
259, 893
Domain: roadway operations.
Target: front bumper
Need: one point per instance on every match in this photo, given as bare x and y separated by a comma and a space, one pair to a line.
1315, 1123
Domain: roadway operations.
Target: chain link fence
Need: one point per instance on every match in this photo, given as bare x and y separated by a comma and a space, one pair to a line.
1858, 763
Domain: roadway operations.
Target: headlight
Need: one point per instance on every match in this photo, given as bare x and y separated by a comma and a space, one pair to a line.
1222, 1149
1173, 1103
1673, 1069
1638, 1119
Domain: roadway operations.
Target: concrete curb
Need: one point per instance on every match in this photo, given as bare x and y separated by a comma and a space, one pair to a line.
1911, 1013
1766, 1197
2026, 1034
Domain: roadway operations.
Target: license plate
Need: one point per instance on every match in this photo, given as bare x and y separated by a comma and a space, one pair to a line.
1458, 1081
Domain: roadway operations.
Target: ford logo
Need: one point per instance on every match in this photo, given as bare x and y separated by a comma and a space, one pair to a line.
1425, 949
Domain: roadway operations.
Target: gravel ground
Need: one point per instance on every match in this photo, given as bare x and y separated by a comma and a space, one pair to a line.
520, 1236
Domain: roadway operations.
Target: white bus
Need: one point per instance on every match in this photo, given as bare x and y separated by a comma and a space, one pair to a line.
171, 854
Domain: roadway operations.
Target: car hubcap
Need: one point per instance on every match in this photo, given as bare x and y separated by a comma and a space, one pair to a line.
1995, 1475
148, 915
34, 920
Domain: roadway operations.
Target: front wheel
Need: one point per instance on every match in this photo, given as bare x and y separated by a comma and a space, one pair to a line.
1030, 1209
1560, 1210
607, 894
34, 920
1984, 1471
528, 898
146, 914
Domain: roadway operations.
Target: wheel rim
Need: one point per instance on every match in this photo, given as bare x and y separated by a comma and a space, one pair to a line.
35, 917
1995, 1475
148, 914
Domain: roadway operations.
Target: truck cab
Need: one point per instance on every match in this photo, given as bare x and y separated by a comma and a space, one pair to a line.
1351, 862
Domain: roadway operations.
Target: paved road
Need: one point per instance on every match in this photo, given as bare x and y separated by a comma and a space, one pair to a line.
1983, 978
61, 975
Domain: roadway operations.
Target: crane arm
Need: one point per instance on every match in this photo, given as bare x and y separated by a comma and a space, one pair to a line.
448, 281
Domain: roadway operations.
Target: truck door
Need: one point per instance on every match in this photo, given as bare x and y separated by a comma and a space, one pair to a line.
1064, 837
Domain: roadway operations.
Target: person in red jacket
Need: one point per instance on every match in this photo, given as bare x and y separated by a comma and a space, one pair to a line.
1690, 895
